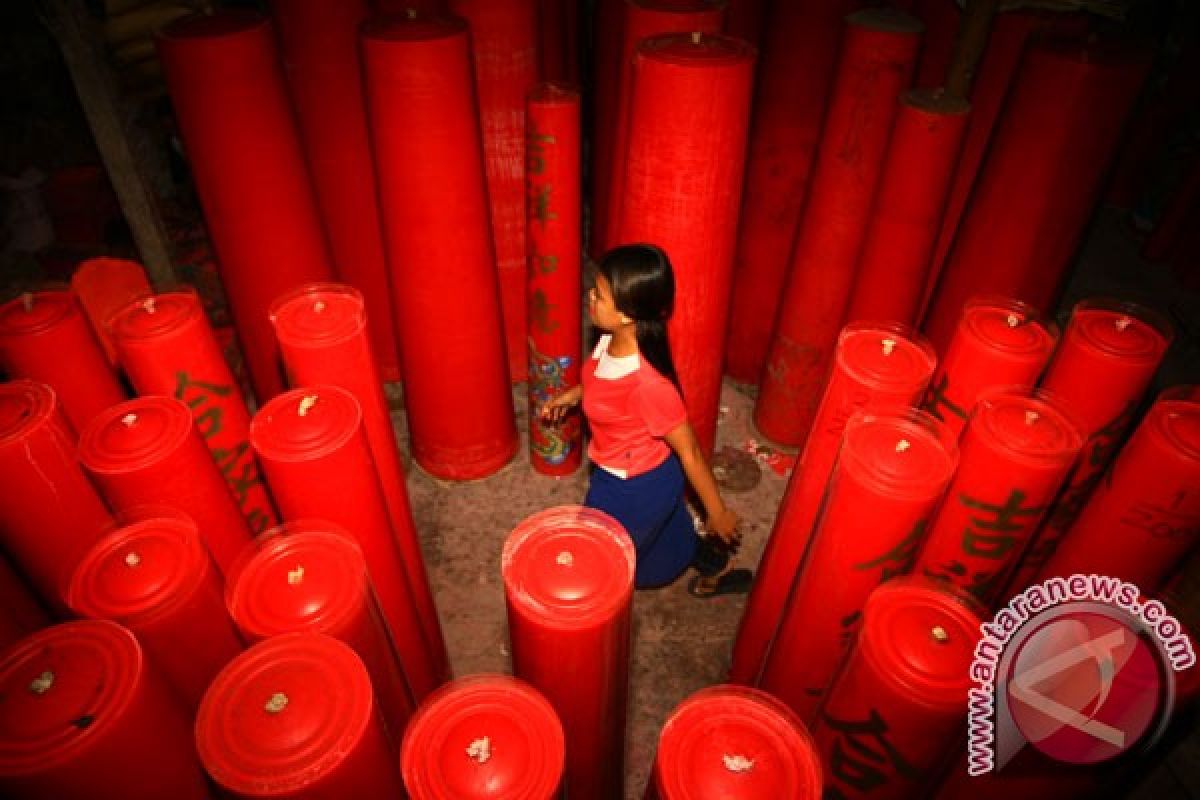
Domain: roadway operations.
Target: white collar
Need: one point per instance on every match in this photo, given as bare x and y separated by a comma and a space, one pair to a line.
612, 368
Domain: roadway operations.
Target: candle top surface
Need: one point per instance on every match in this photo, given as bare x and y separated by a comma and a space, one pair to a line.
1175, 416
736, 743
885, 356
1122, 331
1007, 327
704, 50
305, 424
486, 736
156, 316
319, 314
1029, 427
135, 434
25, 406
32, 313
423, 27
225, 22
570, 567
903, 454
284, 714
61, 688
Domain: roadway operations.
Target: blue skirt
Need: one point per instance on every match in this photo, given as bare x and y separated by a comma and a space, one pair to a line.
651, 508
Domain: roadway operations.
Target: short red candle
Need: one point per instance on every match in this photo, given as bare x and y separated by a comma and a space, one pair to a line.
486, 737
568, 585
83, 714
311, 576
45, 337
877, 367
315, 453
898, 705
1014, 456
999, 342
155, 577
294, 717
1142, 520
49, 513
891, 471
103, 286
555, 249
146, 451
322, 335
167, 347
737, 744
23, 614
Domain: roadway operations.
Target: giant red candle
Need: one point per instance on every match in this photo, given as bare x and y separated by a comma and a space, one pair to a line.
322, 330
879, 48
568, 585
319, 45
147, 451
877, 367
554, 329
23, 614
84, 714
891, 471
230, 99
49, 512
429, 162
105, 285
45, 337
688, 114
155, 577
311, 576
486, 736
315, 454
1014, 454
167, 347
898, 705
294, 717
734, 743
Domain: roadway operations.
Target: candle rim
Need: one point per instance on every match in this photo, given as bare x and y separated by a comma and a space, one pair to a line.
1046, 404
294, 324
271, 442
175, 427
51, 306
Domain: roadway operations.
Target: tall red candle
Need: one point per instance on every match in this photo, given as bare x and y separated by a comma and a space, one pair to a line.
429, 161
319, 45
1014, 455
322, 335
293, 717
23, 614
998, 342
734, 743
877, 367
84, 714
899, 703
1144, 517
311, 576
315, 454
103, 286
568, 585
486, 736
49, 512
167, 347
554, 329
155, 577
45, 337
230, 99
688, 115
891, 471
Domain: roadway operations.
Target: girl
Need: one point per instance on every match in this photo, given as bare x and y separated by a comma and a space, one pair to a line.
642, 444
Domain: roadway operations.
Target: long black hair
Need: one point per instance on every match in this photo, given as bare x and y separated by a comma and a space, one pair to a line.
643, 287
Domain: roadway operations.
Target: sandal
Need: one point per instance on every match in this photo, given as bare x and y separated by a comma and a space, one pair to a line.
736, 581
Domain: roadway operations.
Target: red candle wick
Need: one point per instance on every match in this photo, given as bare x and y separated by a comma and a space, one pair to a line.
902, 445
276, 703
737, 763
295, 576
480, 750
132, 560
128, 420
565, 559
1123, 323
27, 301
148, 305
888, 346
306, 404
42, 683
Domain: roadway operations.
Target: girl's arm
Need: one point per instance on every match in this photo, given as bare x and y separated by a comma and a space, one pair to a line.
721, 520
556, 408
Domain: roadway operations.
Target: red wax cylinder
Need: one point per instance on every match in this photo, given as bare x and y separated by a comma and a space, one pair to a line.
1014, 455
146, 451
167, 347
49, 513
898, 705
429, 163
293, 717
568, 585
227, 88
311, 576
917, 170
322, 335
734, 743
314, 451
999, 342
688, 115
554, 329
103, 286
45, 337
23, 614
319, 45
1144, 518
877, 367
484, 737
799, 47
155, 577
84, 714
891, 471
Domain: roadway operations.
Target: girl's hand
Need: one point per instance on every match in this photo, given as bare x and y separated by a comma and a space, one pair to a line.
724, 524
557, 407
